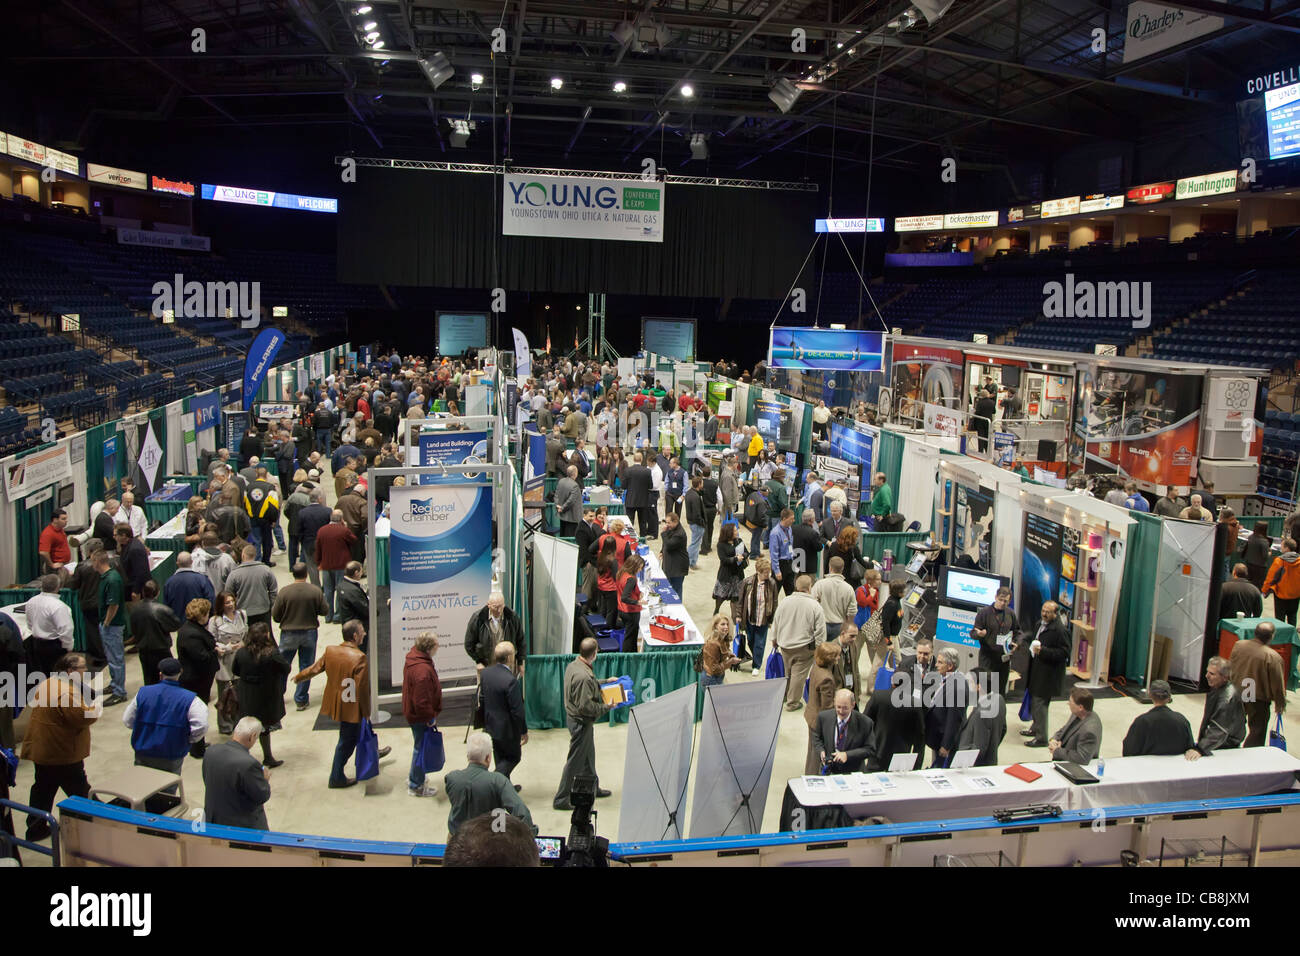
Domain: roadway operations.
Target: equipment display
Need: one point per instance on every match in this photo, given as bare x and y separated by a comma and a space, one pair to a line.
458, 332
672, 338
845, 349
969, 587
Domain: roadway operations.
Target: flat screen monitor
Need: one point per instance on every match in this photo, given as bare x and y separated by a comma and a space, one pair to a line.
66, 494
549, 849
969, 587
460, 332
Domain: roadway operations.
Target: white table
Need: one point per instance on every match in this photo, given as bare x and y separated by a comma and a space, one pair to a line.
692, 633
19, 614
168, 530
1127, 781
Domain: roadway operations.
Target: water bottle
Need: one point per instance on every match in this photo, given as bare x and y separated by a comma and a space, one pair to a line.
1101, 766
887, 562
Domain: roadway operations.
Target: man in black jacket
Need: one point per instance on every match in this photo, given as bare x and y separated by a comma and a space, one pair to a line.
134, 559
490, 626
503, 709
1161, 731
1239, 594
695, 519
639, 499
897, 725
152, 626
1223, 722
843, 737
352, 596
807, 544
708, 492
991, 623
236, 785
310, 520
945, 708
1049, 648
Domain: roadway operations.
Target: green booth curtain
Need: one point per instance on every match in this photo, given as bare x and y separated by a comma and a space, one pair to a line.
874, 544
29, 524
890, 458
544, 681
67, 595
1128, 655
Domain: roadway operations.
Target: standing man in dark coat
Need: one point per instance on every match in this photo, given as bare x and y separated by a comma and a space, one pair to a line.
897, 726
945, 708
236, 785
1223, 722
583, 706
503, 709
985, 724
1049, 648
990, 623
1161, 731
842, 737
709, 494
639, 500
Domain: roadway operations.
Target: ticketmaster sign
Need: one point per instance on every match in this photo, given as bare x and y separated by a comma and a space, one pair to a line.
579, 207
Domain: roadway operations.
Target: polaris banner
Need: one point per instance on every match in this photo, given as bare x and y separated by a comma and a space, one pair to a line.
523, 356
261, 354
452, 448
440, 552
580, 207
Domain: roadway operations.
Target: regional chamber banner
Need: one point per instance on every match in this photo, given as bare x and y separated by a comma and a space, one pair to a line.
579, 207
440, 551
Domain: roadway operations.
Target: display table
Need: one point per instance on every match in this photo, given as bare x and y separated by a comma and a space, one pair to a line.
653, 675
167, 502
14, 603
668, 604
875, 543
908, 797
169, 536
1285, 641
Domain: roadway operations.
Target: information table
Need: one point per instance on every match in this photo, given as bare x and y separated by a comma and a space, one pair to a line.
169, 536
166, 502
1285, 641
671, 607
978, 791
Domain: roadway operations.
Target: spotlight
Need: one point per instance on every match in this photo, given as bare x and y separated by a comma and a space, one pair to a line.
437, 68
557, 84
379, 45
369, 25
620, 86
475, 80
372, 36
362, 10
687, 90
384, 62
783, 94
378, 97
699, 146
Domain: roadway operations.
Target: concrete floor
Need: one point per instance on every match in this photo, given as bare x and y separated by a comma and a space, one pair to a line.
380, 809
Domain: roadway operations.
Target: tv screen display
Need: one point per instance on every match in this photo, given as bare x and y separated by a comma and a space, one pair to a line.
970, 587
1282, 119
458, 332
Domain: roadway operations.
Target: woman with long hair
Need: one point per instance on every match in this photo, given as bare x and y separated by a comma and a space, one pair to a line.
716, 657
629, 602
618, 469
758, 597
731, 570
845, 547
824, 679
195, 518
262, 672
228, 627
607, 578
604, 466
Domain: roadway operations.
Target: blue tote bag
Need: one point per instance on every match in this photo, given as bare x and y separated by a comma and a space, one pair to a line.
775, 666
367, 751
1275, 738
885, 675
1025, 712
433, 756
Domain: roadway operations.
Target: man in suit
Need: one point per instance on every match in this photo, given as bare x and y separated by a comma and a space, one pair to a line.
583, 706
833, 524
1048, 649
236, 785
477, 789
554, 452
991, 622
503, 709
1079, 741
1238, 594
917, 669
843, 736
1161, 731
945, 708
897, 725
985, 724
1223, 723
586, 535
639, 500
568, 502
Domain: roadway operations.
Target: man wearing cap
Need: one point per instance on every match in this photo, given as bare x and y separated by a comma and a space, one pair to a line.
165, 719
1161, 731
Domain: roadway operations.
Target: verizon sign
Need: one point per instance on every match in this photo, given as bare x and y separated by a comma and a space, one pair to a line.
1153, 27
112, 176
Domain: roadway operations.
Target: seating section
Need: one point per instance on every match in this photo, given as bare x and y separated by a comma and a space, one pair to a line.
1280, 454
17, 431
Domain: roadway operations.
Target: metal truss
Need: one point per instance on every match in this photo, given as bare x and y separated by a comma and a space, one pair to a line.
437, 166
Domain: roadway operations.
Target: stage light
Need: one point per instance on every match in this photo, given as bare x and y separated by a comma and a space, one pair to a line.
379, 45
437, 68
475, 81
369, 25
620, 86
687, 90
783, 94
362, 10
372, 36
459, 135
557, 84
699, 146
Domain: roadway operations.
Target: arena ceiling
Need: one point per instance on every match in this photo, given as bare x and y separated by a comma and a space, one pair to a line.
982, 80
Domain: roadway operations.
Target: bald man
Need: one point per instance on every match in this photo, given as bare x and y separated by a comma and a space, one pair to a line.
583, 706
1049, 649
842, 736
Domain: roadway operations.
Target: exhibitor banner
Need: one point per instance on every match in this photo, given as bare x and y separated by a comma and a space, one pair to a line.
452, 448
440, 570
580, 207
36, 471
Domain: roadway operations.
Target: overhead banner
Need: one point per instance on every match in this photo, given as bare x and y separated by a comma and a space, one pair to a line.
523, 354
452, 448
849, 350
148, 471
260, 356
264, 197
1021, 213
917, 223
1060, 207
36, 471
173, 186
1211, 184
1153, 27
440, 570
112, 176
1150, 194
970, 220
850, 225
163, 240
1100, 202
580, 207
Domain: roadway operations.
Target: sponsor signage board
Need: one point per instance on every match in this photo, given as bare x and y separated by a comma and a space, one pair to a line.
112, 176
917, 223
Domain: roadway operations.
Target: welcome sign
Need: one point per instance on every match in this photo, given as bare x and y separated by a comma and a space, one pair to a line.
581, 207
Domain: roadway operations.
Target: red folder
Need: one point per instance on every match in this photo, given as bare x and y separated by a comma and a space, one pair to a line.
1021, 772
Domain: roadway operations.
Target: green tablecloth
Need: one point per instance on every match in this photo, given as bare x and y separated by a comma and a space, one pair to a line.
160, 512
874, 544
1244, 627
167, 568
652, 674
165, 544
67, 595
